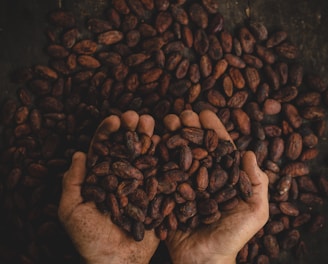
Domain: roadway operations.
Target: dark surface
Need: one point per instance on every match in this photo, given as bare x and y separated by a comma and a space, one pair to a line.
22, 39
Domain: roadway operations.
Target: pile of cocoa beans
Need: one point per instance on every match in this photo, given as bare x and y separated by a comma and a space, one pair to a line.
179, 180
160, 57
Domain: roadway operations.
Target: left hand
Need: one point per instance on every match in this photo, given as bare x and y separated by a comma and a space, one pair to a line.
95, 236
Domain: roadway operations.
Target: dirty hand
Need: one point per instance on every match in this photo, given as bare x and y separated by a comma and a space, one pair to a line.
94, 235
221, 241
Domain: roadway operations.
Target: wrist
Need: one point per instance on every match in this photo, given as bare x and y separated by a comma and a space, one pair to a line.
116, 259
222, 260
210, 259
96, 260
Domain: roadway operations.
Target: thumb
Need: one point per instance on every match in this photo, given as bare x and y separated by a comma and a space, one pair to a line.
255, 174
258, 179
71, 188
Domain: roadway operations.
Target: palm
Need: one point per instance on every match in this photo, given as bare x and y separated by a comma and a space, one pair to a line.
94, 234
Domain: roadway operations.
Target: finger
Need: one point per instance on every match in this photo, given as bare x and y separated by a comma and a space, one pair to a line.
106, 127
257, 177
71, 189
146, 125
209, 120
249, 164
130, 120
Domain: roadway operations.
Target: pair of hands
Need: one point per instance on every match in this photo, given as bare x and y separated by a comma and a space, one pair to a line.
99, 240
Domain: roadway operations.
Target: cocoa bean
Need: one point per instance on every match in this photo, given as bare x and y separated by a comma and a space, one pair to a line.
292, 115
238, 100
252, 78
202, 179
293, 148
62, 18
125, 170
274, 227
287, 50
186, 191
193, 134
201, 42
98, 25
163, 21
113, 17
301, 220
217, 180
252, 61
276, 38
309, 154
313, 113
127, 187
137, 8
187, 36
188, 210
86, 47
92, 193
237, 47
242, 121
226, 41
225, 195
284, 184
228, 85
237, 78
215, 51
205, 66
13, 178
182, 69
295, 169
296, 74
134, 212
185, 158
109, 183
271, 245
211, 6
265, 54
167, 206
235, 61
207, 207
310, 199
198, 15
289, 209
247, 40
262, 259
259, 30
291, 239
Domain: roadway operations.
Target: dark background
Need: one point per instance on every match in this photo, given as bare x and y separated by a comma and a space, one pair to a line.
22, 39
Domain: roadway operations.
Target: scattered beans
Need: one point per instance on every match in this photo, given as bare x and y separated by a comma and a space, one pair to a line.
168, 72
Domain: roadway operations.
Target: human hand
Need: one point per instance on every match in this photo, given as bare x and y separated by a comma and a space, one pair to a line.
95, 236
220, 242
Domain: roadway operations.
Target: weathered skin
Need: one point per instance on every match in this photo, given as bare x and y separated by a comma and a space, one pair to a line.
220, 242
95, 236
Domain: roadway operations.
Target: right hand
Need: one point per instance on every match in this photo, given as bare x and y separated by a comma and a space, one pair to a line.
220, 242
